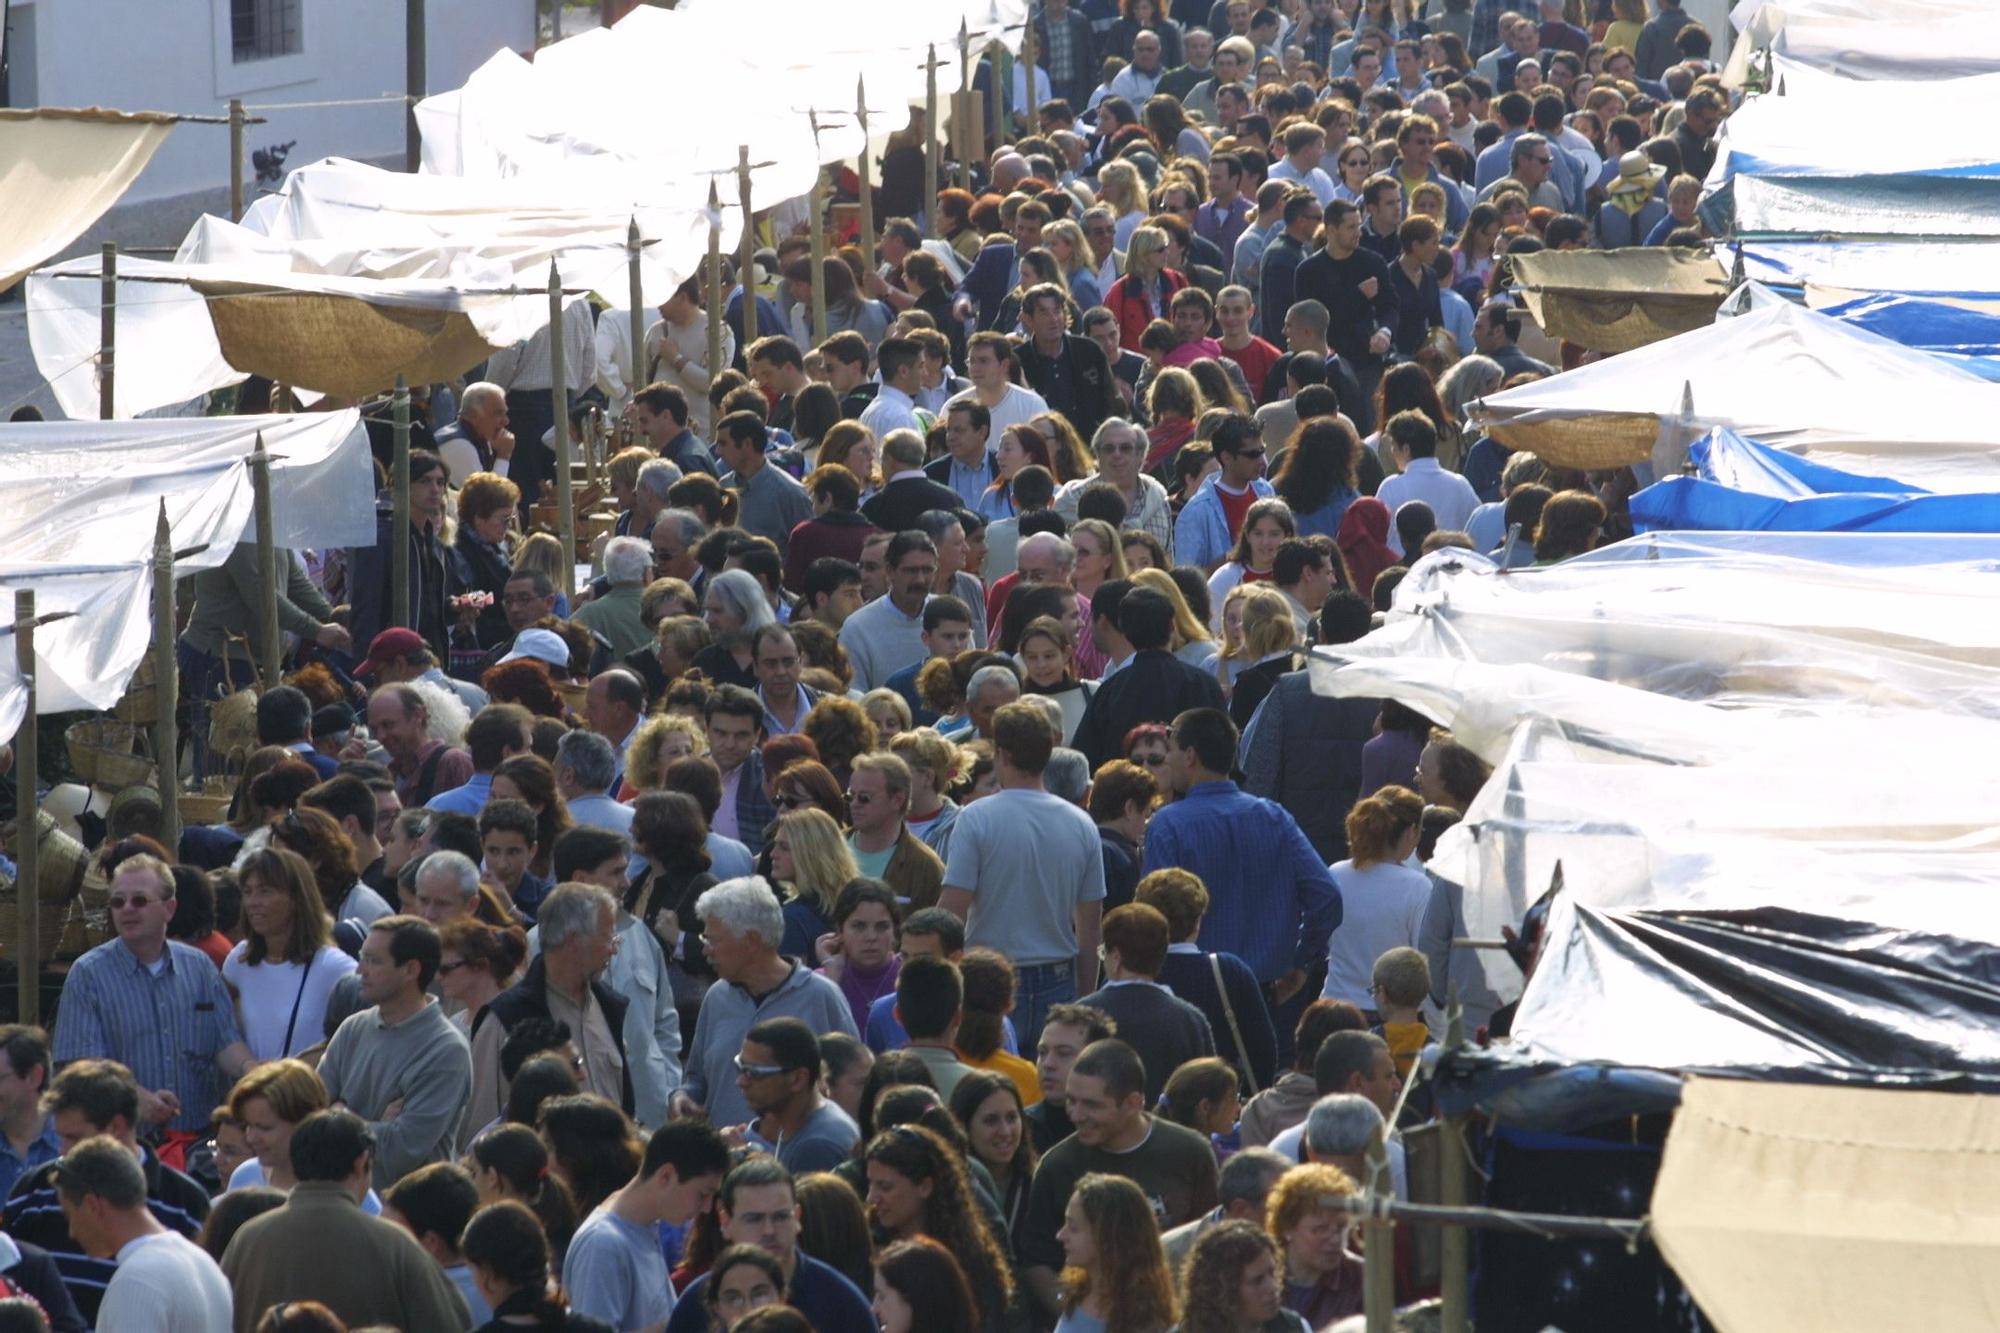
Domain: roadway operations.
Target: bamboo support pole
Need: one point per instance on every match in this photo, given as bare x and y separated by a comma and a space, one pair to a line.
559, 394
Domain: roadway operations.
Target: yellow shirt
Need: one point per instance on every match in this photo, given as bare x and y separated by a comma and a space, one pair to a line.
1021, 1072
1622, 32
1405, 1041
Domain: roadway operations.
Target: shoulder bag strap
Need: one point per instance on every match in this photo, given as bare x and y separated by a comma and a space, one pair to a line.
1235, 1030
299, 999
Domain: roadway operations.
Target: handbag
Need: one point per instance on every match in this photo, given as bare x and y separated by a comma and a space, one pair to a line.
1235, 1029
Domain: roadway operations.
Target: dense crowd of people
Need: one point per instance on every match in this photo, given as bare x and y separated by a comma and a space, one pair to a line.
909, 882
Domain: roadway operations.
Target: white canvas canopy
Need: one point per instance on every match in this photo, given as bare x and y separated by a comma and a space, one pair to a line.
1711, 720
393, 271
79, 502
1856, 39
1794, 379
789, 75
60, 170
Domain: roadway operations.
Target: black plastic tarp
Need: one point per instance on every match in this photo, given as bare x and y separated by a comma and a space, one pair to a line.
1619, 997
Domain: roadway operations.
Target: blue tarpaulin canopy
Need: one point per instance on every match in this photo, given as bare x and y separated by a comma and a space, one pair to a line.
1741, 485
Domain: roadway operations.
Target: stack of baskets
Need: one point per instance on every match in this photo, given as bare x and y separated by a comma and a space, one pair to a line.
63, 928
101, 753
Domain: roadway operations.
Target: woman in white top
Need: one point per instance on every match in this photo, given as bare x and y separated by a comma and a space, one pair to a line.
287, 964
270, 1101
1265, 529
1383, 898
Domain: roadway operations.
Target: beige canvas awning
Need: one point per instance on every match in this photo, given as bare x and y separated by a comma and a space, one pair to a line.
60, 170
1619, 300
339, 344
1833, 1210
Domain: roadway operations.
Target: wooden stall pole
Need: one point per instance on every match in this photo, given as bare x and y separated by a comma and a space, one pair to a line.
1378, 1243
268, 573
1028, 71
714, 279
107, 332
746, 249
237, 120
961, 126
559, 392
867, 199
166, 683
641, 372
399, 524
996, 53
932, 152
1456, 1245
415, 79
816, 231
27, 822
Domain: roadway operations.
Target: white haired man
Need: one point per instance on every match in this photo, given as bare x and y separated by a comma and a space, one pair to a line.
741, 924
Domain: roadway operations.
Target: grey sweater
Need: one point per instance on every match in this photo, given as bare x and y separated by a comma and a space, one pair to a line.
422, 1062
729, 1011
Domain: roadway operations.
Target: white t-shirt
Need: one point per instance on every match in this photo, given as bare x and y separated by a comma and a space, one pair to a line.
267, 991
1383, 909
165, 1283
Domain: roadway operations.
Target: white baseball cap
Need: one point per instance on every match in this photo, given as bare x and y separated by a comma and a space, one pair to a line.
544, 645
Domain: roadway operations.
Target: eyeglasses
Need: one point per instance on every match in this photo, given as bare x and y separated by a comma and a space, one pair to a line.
1112, 450
860, 798
786, 801
137, 900
756, 1071
1247, 453
1545, 161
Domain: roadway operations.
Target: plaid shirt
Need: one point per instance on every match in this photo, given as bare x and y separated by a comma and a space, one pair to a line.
1485, 27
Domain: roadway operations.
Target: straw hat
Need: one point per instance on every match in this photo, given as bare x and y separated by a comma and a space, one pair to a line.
1637, 173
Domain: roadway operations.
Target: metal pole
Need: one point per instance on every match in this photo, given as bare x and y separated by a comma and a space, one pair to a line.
746, 248
714, 279
1378, 1244
817, 232
559, 392
267, 566
641, 372
166, 740
27, 823
236, 121
414, 79
932, 153
399, 521
107, 332
1456, 1246
867, 199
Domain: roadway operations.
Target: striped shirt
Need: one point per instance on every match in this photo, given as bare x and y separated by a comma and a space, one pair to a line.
34, 1215
167, 1025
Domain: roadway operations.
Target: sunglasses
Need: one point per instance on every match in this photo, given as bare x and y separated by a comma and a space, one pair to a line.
789, 802
756, 1071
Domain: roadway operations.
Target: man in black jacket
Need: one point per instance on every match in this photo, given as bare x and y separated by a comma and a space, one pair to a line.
429, 577
907, 491
1354, 286
1155, 686
1068, 371
1063, 39
577, 924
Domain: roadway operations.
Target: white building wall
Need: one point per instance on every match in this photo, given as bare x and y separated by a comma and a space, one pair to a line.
174, 55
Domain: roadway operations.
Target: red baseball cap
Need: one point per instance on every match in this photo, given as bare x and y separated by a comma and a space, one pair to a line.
388, 646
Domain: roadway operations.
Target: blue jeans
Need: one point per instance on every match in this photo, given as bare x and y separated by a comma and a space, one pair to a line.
1038, 988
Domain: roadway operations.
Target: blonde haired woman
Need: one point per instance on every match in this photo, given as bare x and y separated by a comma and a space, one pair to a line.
812, 859
1143, 293
1099, 557
933, 762
1064, 240
1270, 646
542, 553
1120, 186
1233, 657
1193, 643
659, 742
